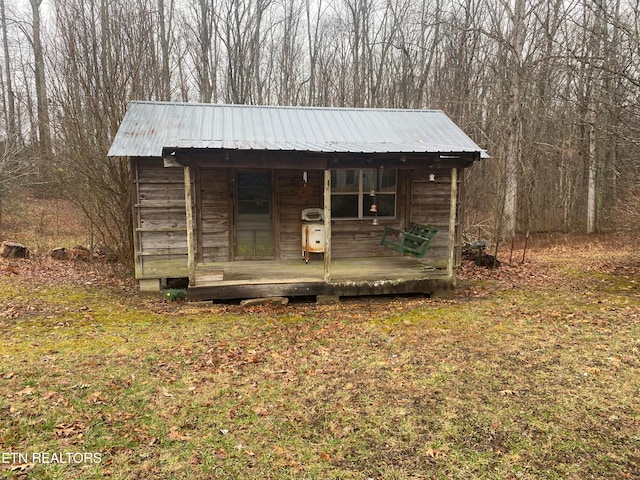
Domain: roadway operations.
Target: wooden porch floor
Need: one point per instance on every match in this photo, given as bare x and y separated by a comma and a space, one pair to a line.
348, 277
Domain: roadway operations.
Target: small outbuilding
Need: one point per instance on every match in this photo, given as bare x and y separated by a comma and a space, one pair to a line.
259, 201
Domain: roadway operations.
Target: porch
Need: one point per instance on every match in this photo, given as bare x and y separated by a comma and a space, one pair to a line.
347, 277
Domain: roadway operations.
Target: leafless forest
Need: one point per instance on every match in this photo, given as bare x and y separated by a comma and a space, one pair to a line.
551, 89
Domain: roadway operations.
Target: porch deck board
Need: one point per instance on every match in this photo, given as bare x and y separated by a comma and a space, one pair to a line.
349, 277
345, 269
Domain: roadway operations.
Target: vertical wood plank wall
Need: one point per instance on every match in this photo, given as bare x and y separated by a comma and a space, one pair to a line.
215, 200
430, 204
159, 220
294, 196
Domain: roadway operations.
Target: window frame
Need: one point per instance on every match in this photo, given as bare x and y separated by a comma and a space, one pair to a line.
360, 193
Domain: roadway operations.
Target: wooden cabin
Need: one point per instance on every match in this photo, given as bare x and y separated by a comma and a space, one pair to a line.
254, 201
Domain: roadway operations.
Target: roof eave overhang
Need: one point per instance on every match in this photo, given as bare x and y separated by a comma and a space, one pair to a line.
310, 160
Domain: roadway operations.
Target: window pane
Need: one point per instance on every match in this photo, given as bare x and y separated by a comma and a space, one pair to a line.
252, 207
385, 205
388, 180
379, 180
264, 243
344, 206
245, 244
344, 180
369, 180
254, 193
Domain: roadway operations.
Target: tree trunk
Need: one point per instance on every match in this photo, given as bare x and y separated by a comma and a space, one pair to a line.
204, 31
592, 175
44, 128
10, 107
165, 74
313, 46
513, 148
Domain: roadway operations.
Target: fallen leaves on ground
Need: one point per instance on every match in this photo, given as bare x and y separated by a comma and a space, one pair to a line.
530, 370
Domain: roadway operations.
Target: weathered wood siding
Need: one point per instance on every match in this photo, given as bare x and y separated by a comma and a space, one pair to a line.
215, 200
293, 196
430, 204
159, 219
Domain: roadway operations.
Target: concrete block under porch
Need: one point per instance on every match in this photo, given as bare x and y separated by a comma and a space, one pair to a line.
348, 277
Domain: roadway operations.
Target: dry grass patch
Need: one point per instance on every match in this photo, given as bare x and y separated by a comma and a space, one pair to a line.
42, 224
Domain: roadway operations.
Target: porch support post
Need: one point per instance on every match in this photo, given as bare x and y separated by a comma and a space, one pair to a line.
453, 210
327, 226
188, 203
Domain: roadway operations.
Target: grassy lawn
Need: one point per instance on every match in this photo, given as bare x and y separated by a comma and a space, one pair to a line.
531, 371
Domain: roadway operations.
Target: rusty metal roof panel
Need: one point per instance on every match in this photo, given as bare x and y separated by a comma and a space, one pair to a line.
149, 127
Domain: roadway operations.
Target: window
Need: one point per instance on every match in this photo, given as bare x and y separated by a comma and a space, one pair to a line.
355, 191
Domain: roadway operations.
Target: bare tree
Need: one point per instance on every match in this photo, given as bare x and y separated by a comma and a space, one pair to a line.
314, 42
513, 148
44, 127
205, 35
240, 25
165, 24
103, 60
290, 53
15, 172
10, 99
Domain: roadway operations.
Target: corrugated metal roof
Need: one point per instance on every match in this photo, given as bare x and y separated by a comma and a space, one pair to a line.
148, 127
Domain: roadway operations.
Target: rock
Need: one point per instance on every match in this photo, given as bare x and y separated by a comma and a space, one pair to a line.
252, 302
13, 250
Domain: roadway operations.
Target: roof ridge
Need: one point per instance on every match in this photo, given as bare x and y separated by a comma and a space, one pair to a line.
283, 107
